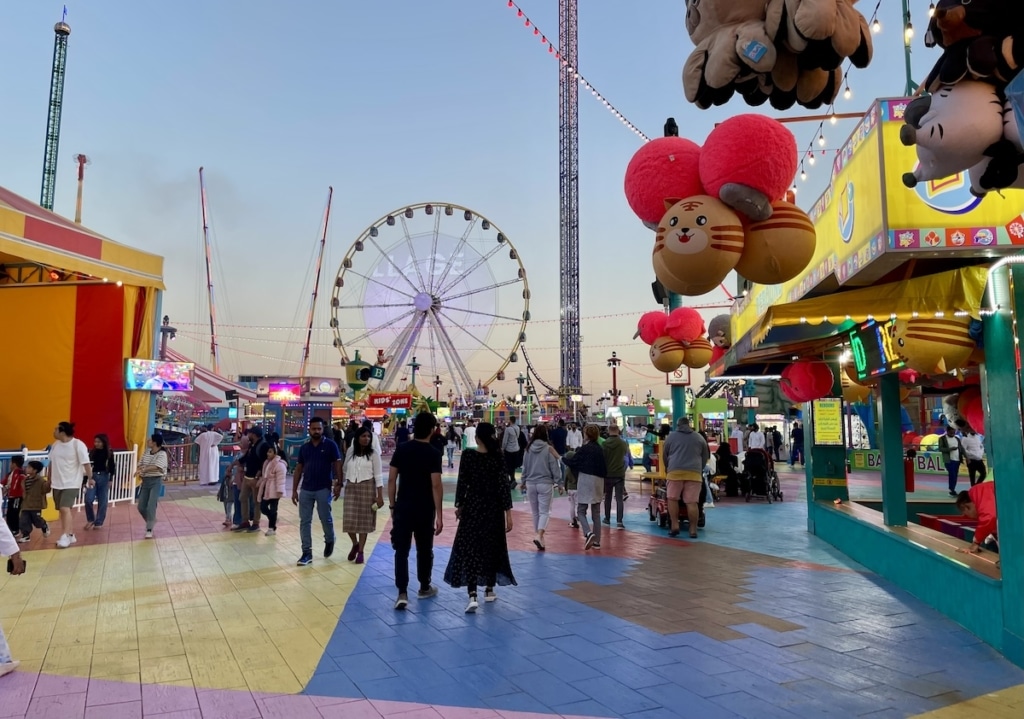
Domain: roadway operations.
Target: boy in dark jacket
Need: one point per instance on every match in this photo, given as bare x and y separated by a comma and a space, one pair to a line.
615, 449
34, 502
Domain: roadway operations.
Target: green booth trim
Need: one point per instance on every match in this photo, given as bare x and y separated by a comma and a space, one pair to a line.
966, 589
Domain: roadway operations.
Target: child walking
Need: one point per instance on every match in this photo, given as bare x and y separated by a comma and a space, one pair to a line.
34, 502
14, 484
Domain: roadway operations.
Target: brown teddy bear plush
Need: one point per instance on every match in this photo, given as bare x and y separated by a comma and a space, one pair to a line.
788, 51
981, 40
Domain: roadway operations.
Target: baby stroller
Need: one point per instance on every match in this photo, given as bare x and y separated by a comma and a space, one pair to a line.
657, 507
759, 476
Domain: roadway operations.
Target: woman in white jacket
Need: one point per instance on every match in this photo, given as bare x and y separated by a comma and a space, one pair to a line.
271, 486
364, 492
542, 472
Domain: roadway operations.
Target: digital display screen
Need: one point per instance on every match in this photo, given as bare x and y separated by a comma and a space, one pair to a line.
281, 392
872, 351
158, 376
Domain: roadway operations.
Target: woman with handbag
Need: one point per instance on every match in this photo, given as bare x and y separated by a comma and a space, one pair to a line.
151, 472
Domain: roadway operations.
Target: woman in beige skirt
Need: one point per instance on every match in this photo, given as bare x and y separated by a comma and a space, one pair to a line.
364, 492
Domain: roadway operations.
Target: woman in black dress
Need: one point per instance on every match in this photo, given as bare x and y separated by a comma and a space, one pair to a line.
483, 508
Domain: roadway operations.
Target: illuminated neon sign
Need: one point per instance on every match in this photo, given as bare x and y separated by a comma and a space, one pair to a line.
871, 350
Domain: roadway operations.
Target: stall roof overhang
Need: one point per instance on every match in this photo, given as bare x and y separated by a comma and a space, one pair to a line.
812, 326
212, 388
36, 235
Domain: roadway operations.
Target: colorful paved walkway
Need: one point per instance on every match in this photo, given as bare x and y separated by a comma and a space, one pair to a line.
757, 619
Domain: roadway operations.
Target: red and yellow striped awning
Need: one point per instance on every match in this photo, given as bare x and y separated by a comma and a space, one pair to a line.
32, 234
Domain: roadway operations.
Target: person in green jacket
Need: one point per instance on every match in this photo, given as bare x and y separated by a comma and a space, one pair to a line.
615, 449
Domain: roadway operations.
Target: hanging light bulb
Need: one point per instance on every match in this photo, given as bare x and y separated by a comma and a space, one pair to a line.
803, 174
810, 159
876, 26
931, 9
833, 119
847, 93
908, 30
821, 140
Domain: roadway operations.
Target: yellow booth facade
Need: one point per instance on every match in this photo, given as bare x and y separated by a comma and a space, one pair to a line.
933, 275
74, 305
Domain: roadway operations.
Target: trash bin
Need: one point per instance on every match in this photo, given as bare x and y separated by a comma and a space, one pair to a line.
908, 470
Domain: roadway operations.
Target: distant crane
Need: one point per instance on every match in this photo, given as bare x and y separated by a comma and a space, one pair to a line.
61, 31
82, 161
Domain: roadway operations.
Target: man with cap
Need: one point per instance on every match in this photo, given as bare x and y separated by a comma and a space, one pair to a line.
252, 466
684, 453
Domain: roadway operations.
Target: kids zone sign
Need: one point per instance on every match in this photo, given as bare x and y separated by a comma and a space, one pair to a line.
942, 214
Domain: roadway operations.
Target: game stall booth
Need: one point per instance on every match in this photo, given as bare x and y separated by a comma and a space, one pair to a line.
77, 307
916, 281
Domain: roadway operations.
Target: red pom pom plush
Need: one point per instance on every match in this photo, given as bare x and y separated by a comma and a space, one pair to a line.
751, 150
651, 326
684, 324
974, 413
663, 168
806, 380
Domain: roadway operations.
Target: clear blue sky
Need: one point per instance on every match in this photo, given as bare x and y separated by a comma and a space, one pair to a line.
391, 102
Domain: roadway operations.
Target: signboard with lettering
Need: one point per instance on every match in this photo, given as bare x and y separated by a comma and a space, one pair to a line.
828, 422
872, 351
679, 377
389, 401
322, 387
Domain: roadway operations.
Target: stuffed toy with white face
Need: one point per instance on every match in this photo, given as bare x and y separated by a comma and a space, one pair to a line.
952, 129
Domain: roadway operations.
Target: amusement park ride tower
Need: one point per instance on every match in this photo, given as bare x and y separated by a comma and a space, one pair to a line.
569, 219
61, 31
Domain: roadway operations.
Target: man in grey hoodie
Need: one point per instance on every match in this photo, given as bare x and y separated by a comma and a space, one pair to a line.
542, 471
685, 453
615, 449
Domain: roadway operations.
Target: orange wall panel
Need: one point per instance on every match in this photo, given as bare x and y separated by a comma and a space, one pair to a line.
37, 340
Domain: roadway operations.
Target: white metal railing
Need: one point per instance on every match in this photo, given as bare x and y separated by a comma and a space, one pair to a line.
122, 485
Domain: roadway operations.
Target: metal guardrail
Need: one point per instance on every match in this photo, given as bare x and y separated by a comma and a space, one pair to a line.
122, 486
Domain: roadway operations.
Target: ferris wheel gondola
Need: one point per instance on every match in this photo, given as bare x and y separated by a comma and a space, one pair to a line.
439, 286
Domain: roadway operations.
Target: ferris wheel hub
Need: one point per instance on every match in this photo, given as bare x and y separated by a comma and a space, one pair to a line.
423, 301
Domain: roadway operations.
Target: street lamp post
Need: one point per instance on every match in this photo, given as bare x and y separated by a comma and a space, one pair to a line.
520, 380
437, 389
166, 333
614, 363
414, 365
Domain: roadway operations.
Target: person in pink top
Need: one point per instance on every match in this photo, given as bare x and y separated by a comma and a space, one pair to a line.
979, 502
271, 486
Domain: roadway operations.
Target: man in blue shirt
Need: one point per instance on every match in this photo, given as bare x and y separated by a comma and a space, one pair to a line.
319, 463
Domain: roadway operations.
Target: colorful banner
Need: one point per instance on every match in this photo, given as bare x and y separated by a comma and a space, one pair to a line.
941, 214
870, 460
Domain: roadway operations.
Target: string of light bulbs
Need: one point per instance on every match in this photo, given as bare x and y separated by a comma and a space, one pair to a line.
807, 157
553, 50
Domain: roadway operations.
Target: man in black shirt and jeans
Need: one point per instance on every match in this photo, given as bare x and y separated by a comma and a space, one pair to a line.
416, 510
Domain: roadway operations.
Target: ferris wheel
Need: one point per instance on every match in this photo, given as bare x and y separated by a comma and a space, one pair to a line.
440, 287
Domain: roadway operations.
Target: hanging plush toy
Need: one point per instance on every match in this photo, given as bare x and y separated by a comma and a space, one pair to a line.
971, 408
720, 335
675, 339
980, 39
806, 380
952, 129
702, 237
933, 345
783, 50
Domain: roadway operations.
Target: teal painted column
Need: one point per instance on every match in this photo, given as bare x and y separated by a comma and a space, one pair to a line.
1002, 388
678, 391
890, 420
825, 467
